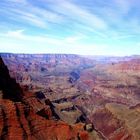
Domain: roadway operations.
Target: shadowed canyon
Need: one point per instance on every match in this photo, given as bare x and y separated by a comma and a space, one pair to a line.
69, 97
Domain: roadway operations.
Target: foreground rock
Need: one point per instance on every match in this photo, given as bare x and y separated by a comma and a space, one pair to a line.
18, 121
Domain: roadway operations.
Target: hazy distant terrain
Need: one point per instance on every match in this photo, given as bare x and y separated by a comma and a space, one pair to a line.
102, 90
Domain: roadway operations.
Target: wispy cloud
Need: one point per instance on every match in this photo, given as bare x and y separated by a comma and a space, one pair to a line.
21, 35
80, 14
75, 14
24, 12
70, 24
121, 37
61, 45
60, 13
16, 34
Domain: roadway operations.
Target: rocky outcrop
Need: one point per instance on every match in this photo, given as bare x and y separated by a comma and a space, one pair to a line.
131, 118
68, 112
110, 126
18, 121
11, 90
118, 122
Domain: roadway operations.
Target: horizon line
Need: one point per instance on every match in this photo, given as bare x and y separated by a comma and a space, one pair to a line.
97, 55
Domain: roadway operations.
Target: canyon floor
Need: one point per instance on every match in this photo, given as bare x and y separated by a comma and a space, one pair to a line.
69, 97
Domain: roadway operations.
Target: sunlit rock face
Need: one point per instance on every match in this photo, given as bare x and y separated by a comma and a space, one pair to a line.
18, 121
87, 97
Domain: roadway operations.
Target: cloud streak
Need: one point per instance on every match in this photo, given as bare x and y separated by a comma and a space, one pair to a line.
24, 12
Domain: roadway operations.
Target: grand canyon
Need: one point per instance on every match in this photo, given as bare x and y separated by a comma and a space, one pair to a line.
69, 97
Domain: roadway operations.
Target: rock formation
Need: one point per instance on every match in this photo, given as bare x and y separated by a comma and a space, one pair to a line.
11, 90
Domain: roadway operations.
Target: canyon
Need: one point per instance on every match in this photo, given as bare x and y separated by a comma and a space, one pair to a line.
69, 97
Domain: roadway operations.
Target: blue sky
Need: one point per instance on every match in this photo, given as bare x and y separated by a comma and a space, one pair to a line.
90, 27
